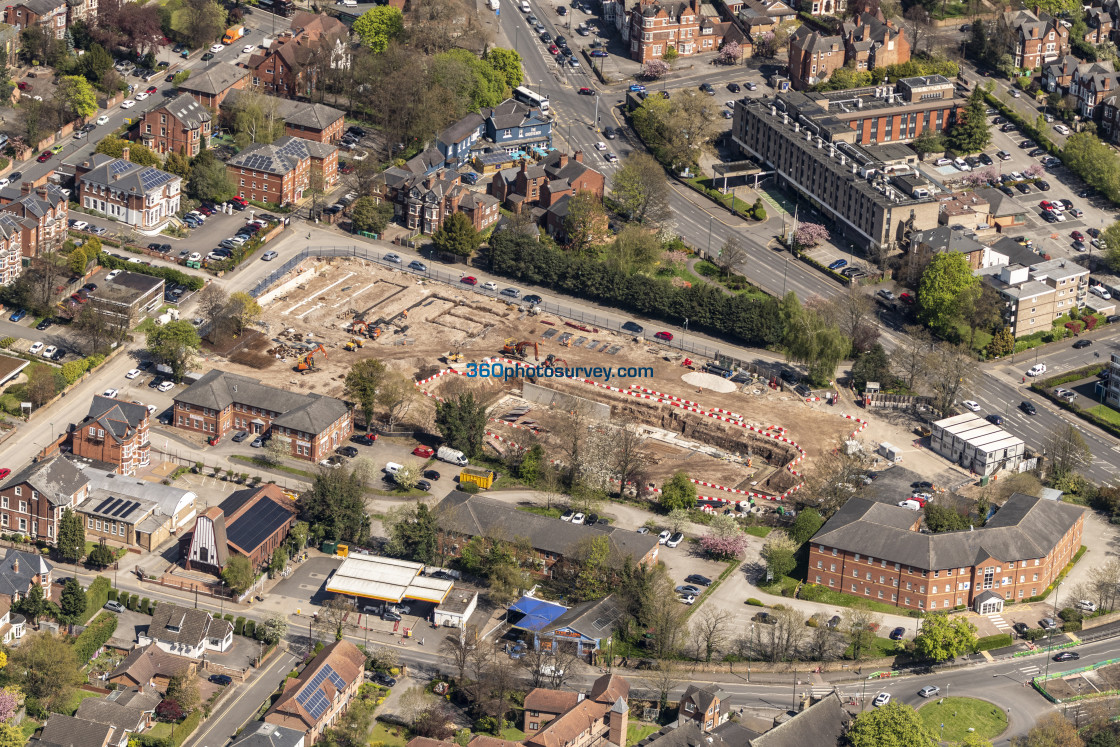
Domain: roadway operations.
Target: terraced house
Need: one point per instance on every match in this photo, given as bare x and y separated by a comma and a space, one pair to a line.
875, 550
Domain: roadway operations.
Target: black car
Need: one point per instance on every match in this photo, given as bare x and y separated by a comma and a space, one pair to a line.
1006, 190
591, 519
610, 133
707, 88
995, 419
154, 247
356, 130
999, 121
362, 438
240, 436
348, 451
834, 622
632, 328
1028, 408
561, 41
1007, 128
1094, 232
431, 474
733, 87
1067, 204
424, 485
1037, 152
897, 633
985, 159
533, 300
1067, 656
1112, 320
697, 579
1081, 344
1021, 629
1023, 187
383, 679
15, 176
221, 679
44, 324
1026, 144
155, 382
922, 485
1044, 185
1086, 193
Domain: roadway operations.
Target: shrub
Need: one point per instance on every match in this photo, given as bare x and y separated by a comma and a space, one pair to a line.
7, 342
989, 642
97, 594
239, 626
94, 636
468, 487
133, 600
1033, 634
170, 275
142, 608
755, 602
227, 617
250, 629
112, 595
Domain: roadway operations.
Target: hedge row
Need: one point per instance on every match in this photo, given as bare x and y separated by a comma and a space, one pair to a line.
98, 593
169, 274
744, 319
1069, 566
1081, 373
988, 642
94, 636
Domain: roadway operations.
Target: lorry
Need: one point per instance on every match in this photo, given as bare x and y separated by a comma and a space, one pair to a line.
233, 34
453, 456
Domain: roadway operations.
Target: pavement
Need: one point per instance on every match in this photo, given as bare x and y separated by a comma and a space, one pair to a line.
242, 704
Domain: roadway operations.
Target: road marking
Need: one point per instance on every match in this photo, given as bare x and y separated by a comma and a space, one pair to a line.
999, 622
987, 656
1029, 670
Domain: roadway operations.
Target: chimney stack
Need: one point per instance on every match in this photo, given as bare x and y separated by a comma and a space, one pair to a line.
579, 156
15, 565
125, 153
563, 160
25, 187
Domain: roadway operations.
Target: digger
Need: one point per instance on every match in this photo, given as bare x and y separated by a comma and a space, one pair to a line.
518, 350
354, 344
361, 327
306, 363
552, 361
454, 357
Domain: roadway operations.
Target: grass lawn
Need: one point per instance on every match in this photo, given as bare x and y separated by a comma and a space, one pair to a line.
513, 735
119, 551
1104, 412
264, 463
637, 732
958, 714
758, 531
28, 727
880, 648
389, 735
679, 272
75, 700
542, 510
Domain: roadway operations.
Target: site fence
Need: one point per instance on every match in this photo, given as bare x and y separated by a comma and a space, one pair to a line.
588, 319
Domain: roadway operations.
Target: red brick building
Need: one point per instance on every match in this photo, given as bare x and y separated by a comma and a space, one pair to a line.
251, 523
307, 121
422, 202
182, 125
277, 173
41, 215
543, 183
50, 14
871, 42
220, 404
1037, 37
317, 699
291, 66
656, 27
813, 56
115, 432
211, 86
32, 500
874, 550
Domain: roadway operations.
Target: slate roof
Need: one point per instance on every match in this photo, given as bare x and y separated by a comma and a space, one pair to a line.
1025, 527
278, 158
13, 581
461, 130
265, 734
1061, 67
42, 7
146, 662
703, 697
596, 618
549, 700
820, 725
568, 726
144, 699
56, 478
1016, 253
510, 114
118, 419
120, 717
187, 110
193, 625
308, 116
809, 40
944, 239
1000, 204
477, 515
214, 79
343, 658
70, 731
306, 413
125, 176
687, 733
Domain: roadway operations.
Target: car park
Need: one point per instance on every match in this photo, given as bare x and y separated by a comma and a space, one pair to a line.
166, 386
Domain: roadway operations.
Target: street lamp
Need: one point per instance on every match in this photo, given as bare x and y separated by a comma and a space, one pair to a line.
1050, 638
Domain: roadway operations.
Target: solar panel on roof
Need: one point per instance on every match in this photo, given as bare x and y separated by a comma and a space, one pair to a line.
126, 508
116, 502
121, 166
312, 697
104, 503
257, 524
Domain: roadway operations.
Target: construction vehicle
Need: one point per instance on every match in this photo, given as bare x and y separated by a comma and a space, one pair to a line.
354, 344
361, 327
453, 357
306, 363
517, 350
552, 360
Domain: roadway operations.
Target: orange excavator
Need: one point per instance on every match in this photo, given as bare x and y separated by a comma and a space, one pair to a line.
306, 363
517, 350
361, 327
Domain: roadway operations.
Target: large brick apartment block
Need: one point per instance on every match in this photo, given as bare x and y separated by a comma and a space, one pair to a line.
40, 214
181, 125
286, 68
422, 202
874, 550
280, 172
115, 432
656, 27
220, 403
1036, 37
317, 699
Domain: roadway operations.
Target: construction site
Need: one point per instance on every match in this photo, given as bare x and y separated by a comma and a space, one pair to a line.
742, 433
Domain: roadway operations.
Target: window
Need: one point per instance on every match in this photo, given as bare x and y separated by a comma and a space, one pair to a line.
534, 714
533, 725
89, 522
19, 490
23, 525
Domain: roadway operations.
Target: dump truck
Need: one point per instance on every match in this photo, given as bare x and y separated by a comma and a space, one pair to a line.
452, 456
233, 34
483, 478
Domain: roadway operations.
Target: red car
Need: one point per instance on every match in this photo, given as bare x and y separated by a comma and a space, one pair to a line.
553, 49
23, 86
45, 156
469, 280
4, 473
1077, 236
586, 92
423, 451
346, 168
906, 298
239, 201
213, 440
665, 336
151, 89
1046, 205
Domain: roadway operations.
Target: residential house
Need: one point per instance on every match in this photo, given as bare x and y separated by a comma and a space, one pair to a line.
279, 173
251, 523
264, 734
422, 202
19, 571
317, 122
11, 248
49, 14
1037, 37
705, 705
824, 7
601, 717
874, 550
140, 196
291, 66
1057, 75
135, 715
761, 16
70, 731
871, 42
1110, 119
543, 704
546, 181
1100, 26
657, 26
314, 701
813, 56
943, 239
461, 516
12, 624
40, 219
181, 125
211, 85
323, 162
221, 402
150, 667
128, 298
1091, 84
80, 10
114, 431
187, 632
32, 499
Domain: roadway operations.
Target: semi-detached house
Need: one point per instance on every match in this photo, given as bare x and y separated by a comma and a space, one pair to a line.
1036, 37
33, 499
139, 196
317, 699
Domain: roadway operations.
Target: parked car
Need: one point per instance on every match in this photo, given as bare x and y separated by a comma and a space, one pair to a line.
632, 327
567, 515
664, 336
897, 633
424, 485
696, 578
1021, 629
417, 266
221, 679
348, 451
424, 452
113, 606
240, 436
674, 540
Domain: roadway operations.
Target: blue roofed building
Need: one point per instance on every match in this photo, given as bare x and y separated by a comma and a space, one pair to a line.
588, 625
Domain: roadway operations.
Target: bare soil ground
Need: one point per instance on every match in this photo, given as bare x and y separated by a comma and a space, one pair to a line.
1104, 679
424, 321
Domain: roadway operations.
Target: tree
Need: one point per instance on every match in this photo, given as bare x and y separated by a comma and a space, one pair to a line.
970, 131
178, 164
459, 649
101, 556
72, 603
457, 235
710, 631
858, 624
929, 141
893, 725
641, 189
114, 146
730, 54
362, 383
724, 539
174, 344
654, 69
238, 574
1111, 239
949, 370
942, 518
33, 605
780, 554
945, 280
586, 222
910, 356
335, 505
807, 523
782, 639
678, 492
809, 235
1002, 344
943, 638
273, 629
972, 740
95, 62
46, 668
277, 449
279, 561
370, 216
462, 423
183, 689
732, 255
874, 365
766, 45
209, 178
397, 395
243, 310
256, 118
412, 531
811, 338
1067, 451
75, 97
379, 26
71, 537
10, 700
508, 63
1053, 730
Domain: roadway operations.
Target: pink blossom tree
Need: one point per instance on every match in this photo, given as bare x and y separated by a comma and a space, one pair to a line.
724, 548
1034, 170
730, 54
809, 235
655, 69
9, 702
766, 45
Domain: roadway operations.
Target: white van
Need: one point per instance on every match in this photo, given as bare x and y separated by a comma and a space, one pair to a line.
525, 6
393, 468
912, 505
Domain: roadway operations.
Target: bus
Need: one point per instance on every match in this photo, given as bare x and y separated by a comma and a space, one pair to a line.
525, 96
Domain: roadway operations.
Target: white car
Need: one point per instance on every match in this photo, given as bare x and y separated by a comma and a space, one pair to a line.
600, 145
80, 225
664, 537
611, 157
34, 349
103, 119
1100, 292
128, 104
687, 599
49, 351
132, 374
1037, 370
1015, 94
881, 699
194, 257
942, 162
971, 405
113, 274
490, 285
578, 519
217, 48
674, 540
141, 95
247, 49
110, 393
961, 164
1061, 128
4, 183
166, 386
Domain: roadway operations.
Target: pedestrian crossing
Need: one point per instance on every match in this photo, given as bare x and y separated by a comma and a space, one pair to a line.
999, 622
1029, 671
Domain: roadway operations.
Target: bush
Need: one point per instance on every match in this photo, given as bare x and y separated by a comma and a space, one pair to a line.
755, 602
227, 617
239, 626
759, 213
170, 275
7, 342
94, 636
468, 487
250, 629
142, 608
133, 601
988, 642
1033, 634
112, 595
98, 593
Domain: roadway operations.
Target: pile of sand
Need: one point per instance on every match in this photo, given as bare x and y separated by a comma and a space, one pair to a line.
709, 381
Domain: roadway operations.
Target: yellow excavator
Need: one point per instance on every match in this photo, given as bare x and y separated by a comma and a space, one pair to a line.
454, 357
518, 350
354, 344
306, 363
